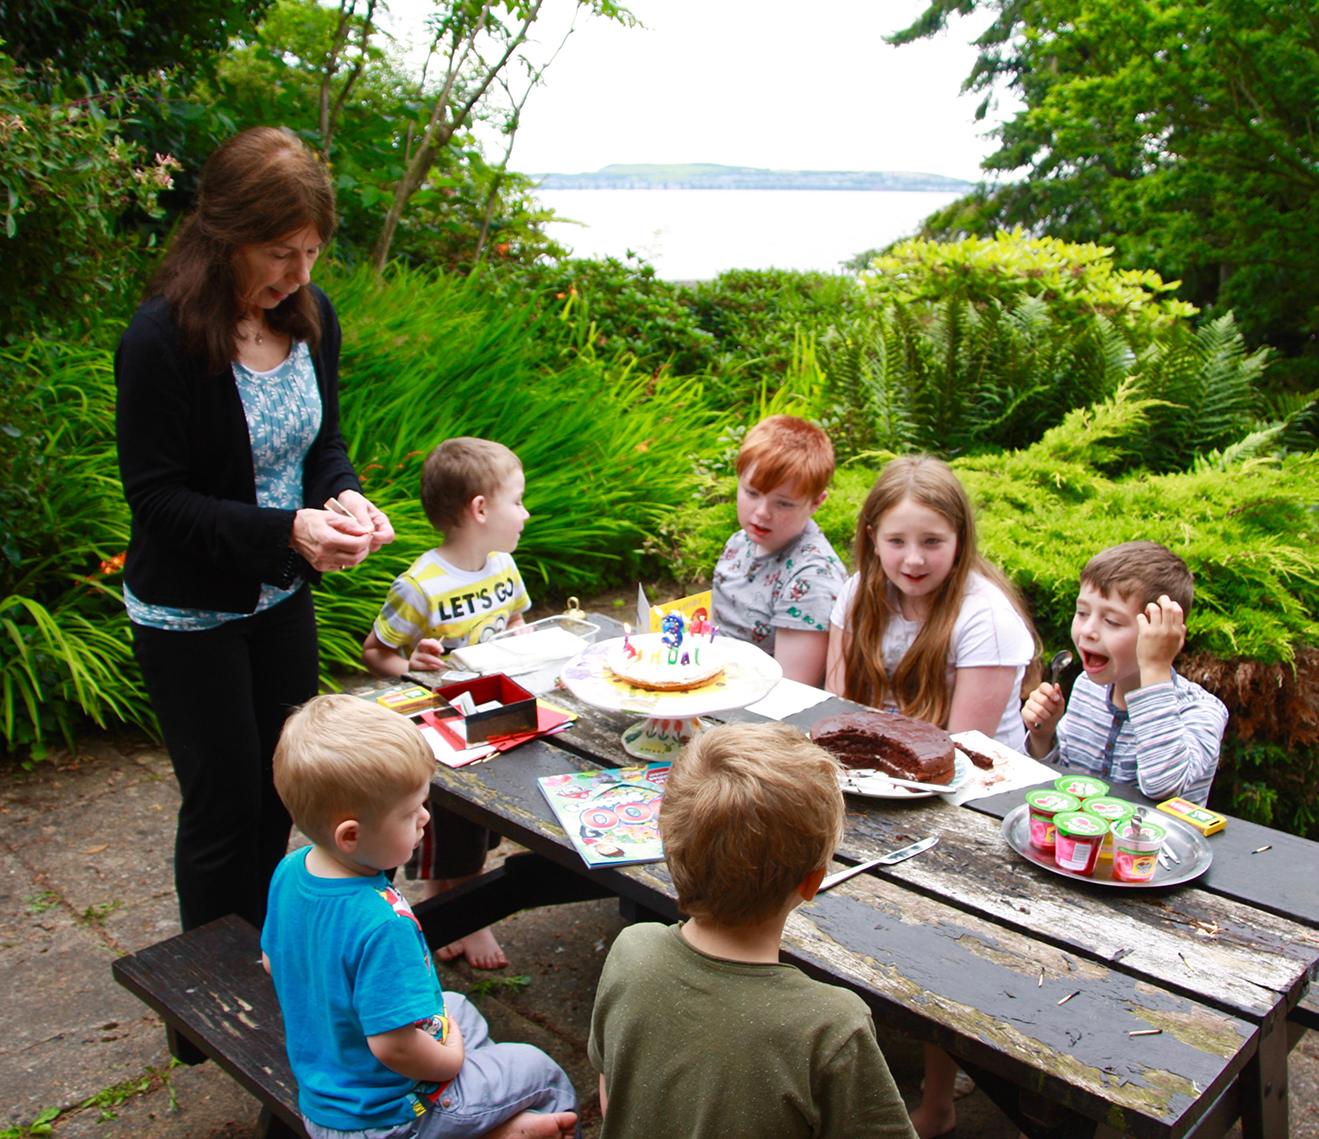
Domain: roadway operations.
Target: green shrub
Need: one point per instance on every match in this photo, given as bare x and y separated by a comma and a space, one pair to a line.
68, 174
619, 309
65, 646
1076, 280
756, 316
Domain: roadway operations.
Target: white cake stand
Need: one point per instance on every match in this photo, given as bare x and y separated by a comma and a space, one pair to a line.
672, 718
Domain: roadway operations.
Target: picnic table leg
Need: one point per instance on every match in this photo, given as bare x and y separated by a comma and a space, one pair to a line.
524, 881
1263, 1083
270, 1126
1036, 1116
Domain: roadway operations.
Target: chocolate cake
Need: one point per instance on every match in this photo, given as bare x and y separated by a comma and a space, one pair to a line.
979, 758
896, 745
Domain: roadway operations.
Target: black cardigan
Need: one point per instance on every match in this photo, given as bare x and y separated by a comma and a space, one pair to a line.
199, 541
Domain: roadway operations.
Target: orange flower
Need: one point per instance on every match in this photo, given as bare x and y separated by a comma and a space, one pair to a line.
115, 564
502, 248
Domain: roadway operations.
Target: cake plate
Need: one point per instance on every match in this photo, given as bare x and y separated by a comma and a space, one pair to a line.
672, 718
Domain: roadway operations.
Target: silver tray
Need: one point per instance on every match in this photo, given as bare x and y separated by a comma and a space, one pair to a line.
1185, 842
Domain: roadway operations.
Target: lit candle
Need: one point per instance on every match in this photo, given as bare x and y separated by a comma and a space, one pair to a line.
627, 632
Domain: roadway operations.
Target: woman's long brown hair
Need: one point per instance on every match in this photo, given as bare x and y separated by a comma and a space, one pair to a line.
259, 186
919, 684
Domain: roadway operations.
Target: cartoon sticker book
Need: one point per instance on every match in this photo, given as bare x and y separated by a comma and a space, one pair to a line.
611, 816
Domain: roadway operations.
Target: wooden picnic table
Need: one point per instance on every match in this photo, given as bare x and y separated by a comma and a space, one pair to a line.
1034, 982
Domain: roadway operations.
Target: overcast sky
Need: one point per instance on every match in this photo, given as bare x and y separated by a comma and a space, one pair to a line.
750, 83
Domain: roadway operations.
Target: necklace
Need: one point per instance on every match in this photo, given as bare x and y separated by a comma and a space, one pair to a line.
256, 326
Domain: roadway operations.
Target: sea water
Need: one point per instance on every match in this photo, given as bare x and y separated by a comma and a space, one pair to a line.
697, 234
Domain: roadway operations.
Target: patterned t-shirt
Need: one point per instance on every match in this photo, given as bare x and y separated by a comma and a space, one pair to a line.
456, 607
792, 588
283, 411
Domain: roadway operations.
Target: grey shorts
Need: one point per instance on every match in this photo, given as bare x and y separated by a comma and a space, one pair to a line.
495, 1083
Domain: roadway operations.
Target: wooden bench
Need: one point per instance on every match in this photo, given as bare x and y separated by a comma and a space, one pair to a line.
218, 1003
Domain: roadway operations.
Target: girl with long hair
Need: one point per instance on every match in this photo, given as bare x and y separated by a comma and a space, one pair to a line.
928, 628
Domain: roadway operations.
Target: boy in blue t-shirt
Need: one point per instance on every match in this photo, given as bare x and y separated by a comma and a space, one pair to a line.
373, 1041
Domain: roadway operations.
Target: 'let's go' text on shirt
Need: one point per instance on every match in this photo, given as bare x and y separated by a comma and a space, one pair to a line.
456, 607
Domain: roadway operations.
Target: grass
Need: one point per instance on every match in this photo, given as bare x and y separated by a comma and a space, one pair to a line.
40, 903
490, 986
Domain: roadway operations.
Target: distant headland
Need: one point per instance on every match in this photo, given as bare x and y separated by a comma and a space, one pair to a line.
710, 176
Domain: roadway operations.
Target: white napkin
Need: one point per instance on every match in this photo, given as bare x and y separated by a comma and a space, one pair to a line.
515, 655
1011, 770
787, 698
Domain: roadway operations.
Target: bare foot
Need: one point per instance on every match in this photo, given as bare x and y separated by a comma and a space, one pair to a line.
480, 948
931, 1123
533, 1125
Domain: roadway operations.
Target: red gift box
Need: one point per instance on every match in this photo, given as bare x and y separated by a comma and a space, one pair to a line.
518, 714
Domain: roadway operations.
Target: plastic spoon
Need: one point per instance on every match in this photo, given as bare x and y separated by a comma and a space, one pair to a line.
1061, 660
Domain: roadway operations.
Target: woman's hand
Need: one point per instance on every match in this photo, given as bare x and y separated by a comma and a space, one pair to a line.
382, 533
330, 541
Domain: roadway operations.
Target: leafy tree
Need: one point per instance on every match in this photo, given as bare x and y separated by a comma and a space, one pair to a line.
68, 174
321, 72
111, 38
472, 44
1181, 133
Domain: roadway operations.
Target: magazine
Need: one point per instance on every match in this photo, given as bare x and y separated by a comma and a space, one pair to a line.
612, 815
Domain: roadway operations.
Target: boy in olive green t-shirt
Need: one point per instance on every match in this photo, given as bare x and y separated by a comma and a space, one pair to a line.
699, 1025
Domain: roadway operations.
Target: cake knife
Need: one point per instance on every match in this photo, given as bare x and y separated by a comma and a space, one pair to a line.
910, 784
899, 855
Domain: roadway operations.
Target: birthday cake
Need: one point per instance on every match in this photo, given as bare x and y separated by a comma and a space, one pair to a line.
649, 661
896, 745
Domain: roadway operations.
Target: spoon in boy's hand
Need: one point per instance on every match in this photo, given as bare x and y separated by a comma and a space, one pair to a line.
1060, 661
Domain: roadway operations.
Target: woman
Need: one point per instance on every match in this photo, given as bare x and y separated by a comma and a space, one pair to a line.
229, 448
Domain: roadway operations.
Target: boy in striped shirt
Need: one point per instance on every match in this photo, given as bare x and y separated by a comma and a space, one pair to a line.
462, 592
1131, 718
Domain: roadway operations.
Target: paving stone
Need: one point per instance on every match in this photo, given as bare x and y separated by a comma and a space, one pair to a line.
207, 1104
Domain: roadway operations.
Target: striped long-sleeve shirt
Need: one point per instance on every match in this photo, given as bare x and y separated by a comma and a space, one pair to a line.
1166, 741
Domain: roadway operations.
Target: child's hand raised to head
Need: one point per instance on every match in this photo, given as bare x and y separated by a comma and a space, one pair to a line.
428, 656
1160, 634
1042, 711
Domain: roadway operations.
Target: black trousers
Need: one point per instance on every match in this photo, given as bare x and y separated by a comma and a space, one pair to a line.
222, 696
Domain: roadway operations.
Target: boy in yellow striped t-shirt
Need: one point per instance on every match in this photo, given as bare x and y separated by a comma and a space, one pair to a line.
464, 591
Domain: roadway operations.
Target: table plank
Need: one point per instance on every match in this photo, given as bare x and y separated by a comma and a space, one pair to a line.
918, 959
1280, 880
1227, 954
913, 957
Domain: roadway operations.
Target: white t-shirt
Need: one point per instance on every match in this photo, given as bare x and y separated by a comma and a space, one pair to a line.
988, 633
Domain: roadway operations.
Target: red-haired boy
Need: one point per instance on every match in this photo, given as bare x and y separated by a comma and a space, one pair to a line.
777, 578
